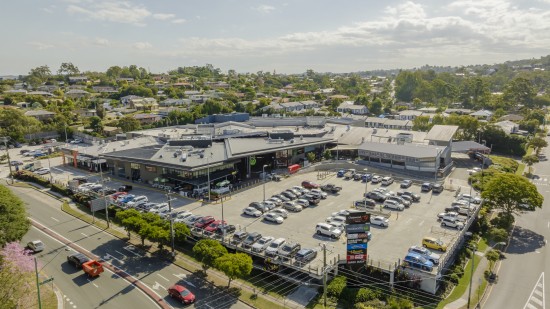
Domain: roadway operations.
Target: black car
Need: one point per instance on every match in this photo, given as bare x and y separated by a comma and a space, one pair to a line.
313, 200
368, 203
305, 256
238, 237
125, 188
415, 197
406, 183
108, 191
22, 151
426, 187
225, 229
251, 239
289, 195
437, 188
332, 188
77, 259
289, 250
260, 206
375, 196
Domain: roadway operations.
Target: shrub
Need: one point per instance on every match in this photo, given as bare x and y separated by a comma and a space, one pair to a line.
454, 278
60, 189
364, 295
336, 286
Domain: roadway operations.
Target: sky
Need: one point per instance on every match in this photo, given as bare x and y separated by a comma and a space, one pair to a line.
289, 36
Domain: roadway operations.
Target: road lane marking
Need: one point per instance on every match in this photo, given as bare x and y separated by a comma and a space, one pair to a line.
84, 235
131, 249
120, 253
189, 283
180, 276
157, 285
110, 257
163, 277
536, 299
92, 283
54, 219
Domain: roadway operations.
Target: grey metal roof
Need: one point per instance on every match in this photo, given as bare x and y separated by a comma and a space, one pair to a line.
465, 146
407, 150
441, 133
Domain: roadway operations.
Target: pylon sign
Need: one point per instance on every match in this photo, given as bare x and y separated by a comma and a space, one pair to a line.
357, 227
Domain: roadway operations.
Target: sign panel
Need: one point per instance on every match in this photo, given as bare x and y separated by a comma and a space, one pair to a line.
358, 217
358, 236
356, 259
357, 241
357, 246
98, 204
357, 228
357, 251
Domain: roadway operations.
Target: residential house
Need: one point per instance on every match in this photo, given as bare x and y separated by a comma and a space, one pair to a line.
24, 105
40, 93
104, 89
147, 118
77, 79
174, 102
338, 97
77, 94
409, 114
310, 104
459, 111
15, 91
512, 117
508, 127
40, 114
111, 131
348, 107
87, 113
182, 84
199, 98
125, 79
408, 105
276, 107
482, 114
292, 106
125, 100
386, 123
163, 113
143, 104
48, 88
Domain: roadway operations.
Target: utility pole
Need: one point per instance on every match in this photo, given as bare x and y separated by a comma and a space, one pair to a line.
37, 283
265, 178
471, 275
224, 225
5, 140
324, 275
103, 192
171, 223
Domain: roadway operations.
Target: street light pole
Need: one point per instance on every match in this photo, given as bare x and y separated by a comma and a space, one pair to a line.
435, 167
5, 140
103, 192
171, 223
224, 225
37, 283
208, 172
471, 274
263, 173
324, 275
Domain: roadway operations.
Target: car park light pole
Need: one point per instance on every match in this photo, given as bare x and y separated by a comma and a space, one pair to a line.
265, 178
471, 274
171, 222
103, 191
5, 140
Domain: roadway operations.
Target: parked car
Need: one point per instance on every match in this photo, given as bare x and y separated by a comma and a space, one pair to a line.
365, 203
386, 181
273, 217
337, 219
160, 209
418, 261
452, 222
204, 222
366, 177
238, 237
210, 228
136, 200
251, 239
380, 221
182, 216
373, 195
77, 259
357, 176
318, 193
399, 200
405, 183
35, 246
289, 250
393, 205
146, 207
275, 201
281, 212
262, 244
269, 204
76, 141
305, 256
426, 187
294, 191
376, 179
433, 243
312, 199
331, 188
274, 246
251, 211
42, 171
225, 229
415, 197
16, 163
190, 221
289, 195
302, 202
291, 206
340, 173
437, 188
309, 184
259, 206
433, 257
182, 294
125, 188
325, 229
470, 198
281, 197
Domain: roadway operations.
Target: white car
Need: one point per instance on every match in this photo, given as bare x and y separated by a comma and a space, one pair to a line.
292, 206
468, 197
262, 243
251, 211
76, 141
182, 216
376, 179
281, 212
269, 204
273, 217
329, 230
274, 247
275, 201
337, 219
302, 202
42, 171
190, 221
319, 193
393, 205
137, 200
380, 221
35, 246
159, 208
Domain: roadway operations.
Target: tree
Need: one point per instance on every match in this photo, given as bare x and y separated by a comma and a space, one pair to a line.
13, 217
530, 160
519, 91
16, 272
327, 155
128, 124
67, 68
538, 143
492, 256
207, 251
130, 220
96, 124
507, 191
310, 157
234, 266
406, 83
497, 234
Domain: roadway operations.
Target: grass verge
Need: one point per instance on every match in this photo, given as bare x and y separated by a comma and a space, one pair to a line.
521, 169
462, 285
482, 244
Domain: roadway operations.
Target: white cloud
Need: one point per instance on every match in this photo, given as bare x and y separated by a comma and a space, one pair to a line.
50, 9
101, 42
120, 12
41, 45
178, 21
142, 45
264, 8
162, 16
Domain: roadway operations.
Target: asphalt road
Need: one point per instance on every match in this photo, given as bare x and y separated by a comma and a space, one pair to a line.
105, 291
521, 275
151, 271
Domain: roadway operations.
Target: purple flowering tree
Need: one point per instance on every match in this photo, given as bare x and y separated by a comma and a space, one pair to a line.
16, 275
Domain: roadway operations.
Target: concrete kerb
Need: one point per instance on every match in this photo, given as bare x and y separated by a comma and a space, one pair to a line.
288, 303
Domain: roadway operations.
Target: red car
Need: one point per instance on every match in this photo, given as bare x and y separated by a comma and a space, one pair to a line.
204, 222
115, 196
310, 185
214, 226
182, 294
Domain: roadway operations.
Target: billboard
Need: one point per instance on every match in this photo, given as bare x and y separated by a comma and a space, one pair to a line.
358, 217
358, 236
357, 228
358, 246
357, 241
98, 204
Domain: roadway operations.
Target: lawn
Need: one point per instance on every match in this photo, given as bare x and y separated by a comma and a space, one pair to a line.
462, 285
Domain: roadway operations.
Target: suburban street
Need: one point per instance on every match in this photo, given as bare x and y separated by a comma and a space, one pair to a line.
151, 271
105, 291
527, 258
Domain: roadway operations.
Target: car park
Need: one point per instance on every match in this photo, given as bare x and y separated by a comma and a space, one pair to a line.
251, 239
281, 212
380, 221
309, 184
251, 211
433, 257
426, 187
77, 259
418, 261
452, 222
433, 243
386, 181
35, 246
274, 246
292, 206
405, 184
204, 222
238, 237
393, 205
262, 244
289, 250
182, 294
273, 217
325, 229
305, 256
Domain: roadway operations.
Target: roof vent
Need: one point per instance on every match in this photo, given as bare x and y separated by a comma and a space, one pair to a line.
175, 154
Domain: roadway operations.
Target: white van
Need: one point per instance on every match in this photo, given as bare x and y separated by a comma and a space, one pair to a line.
386, 181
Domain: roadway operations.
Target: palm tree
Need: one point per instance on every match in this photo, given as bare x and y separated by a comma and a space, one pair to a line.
530, 160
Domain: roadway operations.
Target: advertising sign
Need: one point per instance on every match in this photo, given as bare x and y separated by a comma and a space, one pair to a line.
356, 259
357, 241
359, 246
98, 204
358, 217
357, 228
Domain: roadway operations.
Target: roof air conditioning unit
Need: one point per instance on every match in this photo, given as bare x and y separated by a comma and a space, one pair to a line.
175, 154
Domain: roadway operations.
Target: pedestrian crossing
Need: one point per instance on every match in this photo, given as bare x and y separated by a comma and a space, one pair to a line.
536, 299
543, 181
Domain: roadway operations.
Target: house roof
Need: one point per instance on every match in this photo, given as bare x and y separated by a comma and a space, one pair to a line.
410, 112
482, 113
511, 117
441, 133
407, 150
465, 146
38, 113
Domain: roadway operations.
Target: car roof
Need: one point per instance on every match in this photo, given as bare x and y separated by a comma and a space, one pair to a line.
305, 250
279, 240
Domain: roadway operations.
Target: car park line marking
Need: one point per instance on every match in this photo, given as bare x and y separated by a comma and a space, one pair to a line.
84, 235
163, 277
54, 219
92, 283
120, 253
189, 283
180, 276
157, 285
